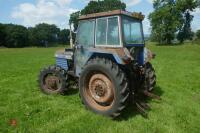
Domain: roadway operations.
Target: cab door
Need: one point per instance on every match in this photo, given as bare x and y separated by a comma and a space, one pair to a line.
84, 40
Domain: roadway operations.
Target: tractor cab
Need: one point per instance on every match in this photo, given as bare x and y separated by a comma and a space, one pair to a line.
118, 35
114, 29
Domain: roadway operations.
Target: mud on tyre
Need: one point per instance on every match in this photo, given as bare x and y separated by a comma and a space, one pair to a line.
150, 77
104, 87
53, 80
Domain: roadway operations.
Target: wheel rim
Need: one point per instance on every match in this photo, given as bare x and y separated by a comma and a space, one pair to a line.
52, 82
100, 92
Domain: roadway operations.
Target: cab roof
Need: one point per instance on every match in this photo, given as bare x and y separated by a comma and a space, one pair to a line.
135, 15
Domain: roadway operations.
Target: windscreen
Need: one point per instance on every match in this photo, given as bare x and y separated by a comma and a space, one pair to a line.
85, 35
132, 30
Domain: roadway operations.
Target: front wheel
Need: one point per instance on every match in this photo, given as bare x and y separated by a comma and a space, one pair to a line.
104, 87
150, 77
53, 80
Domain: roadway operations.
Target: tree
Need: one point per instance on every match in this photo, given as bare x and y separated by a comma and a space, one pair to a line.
170, 17
64, 36
185, 7
16, 36
32, 37
74, 19
198, 34
165, 21
2, 35
95, 7
103, 6
44, 34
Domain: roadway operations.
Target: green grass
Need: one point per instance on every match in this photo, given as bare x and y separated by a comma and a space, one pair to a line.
178, 72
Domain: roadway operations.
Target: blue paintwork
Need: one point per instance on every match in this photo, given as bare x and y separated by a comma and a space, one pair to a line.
62, 62
105, 53
118, 59
141, 54
83, 55
141, 57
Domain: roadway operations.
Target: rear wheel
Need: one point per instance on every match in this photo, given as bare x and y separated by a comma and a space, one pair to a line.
53, 80
103, 87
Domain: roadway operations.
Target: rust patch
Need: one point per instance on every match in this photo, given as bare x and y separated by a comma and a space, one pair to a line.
118, 51
101, 88
51, 82
100, 92
135, 15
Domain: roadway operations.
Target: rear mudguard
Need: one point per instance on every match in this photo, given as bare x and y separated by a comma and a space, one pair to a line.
117, 55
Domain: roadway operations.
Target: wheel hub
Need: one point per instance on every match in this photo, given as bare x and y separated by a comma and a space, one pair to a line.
52, 82
101, 89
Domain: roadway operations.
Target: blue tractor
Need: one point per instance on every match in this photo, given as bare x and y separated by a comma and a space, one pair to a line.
108, 62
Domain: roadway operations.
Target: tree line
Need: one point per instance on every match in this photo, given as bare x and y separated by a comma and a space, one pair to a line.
170, 20
42, 35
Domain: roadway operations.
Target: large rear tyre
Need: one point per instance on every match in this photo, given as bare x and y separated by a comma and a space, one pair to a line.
53, 80
104, 87
150, 77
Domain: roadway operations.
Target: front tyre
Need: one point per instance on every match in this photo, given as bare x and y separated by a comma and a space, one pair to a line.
53, 80
150, 77
104, 87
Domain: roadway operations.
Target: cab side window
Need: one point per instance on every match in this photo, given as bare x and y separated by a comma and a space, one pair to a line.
85, 35
107, 31
101, 31
113, 32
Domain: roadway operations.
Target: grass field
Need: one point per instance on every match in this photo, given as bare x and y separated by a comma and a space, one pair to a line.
178, 72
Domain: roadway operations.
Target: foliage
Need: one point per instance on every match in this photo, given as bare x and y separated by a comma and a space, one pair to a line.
41, 35
2, 35
103, 6
74, 19
95, 7
64, 36
15, 36
165, 21
185, 7
198, 34
170, 17
20, 99
198, 3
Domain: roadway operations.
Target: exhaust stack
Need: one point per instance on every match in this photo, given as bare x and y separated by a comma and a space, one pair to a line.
71, 38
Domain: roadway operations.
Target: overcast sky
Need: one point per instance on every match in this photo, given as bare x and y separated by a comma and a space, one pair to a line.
31, 12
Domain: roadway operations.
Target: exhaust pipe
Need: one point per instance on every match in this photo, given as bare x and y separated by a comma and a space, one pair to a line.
71, 38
